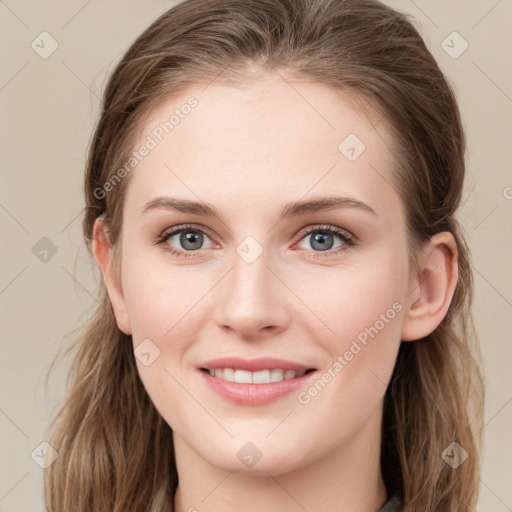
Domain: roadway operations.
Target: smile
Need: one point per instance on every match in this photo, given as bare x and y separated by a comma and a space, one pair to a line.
259, 377
254, 381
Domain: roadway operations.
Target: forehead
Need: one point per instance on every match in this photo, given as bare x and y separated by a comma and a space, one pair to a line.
262, 143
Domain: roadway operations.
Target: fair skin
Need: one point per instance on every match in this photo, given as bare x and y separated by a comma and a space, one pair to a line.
248, 151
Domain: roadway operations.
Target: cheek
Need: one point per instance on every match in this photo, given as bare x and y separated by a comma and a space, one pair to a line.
160, 298
160, 303
349, 301
364, 312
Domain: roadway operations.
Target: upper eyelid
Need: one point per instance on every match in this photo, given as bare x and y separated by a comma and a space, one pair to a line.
191, 227
327, 227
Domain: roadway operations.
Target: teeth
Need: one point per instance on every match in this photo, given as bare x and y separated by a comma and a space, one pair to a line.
276, 375
241, 376
229, 374
260, 377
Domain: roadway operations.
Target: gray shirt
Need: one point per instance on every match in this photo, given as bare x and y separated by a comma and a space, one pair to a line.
392, 505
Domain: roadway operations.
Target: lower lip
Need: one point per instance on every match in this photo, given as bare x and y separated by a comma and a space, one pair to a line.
254, 394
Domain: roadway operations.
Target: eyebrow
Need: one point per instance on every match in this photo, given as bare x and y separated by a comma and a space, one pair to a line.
293, 209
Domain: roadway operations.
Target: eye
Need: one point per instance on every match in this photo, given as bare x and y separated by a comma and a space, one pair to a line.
183, 241
188, 239
322, 239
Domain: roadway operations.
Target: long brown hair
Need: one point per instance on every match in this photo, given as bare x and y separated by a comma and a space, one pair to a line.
115, 450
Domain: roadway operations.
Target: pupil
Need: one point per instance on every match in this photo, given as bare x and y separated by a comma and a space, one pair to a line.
321, 240
190, 238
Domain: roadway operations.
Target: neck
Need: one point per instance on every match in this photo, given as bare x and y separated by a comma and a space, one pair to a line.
347, 479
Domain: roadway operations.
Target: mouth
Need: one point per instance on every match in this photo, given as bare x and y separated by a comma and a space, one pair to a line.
254, 381
266, 376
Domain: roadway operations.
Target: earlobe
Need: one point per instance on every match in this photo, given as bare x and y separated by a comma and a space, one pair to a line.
432, 288
103, 255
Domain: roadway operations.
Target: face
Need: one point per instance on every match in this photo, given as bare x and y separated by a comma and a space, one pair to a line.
265, 329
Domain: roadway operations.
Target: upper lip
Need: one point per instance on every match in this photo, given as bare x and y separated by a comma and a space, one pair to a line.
253, 365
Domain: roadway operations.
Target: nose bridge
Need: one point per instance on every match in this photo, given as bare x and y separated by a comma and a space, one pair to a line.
250, 269
253, 297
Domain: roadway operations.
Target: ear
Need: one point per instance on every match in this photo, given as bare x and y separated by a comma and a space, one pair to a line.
432, 287
103, 255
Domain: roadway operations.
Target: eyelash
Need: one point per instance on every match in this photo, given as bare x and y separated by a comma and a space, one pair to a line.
348, 239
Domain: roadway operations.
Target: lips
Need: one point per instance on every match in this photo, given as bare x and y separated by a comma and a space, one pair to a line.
254, 381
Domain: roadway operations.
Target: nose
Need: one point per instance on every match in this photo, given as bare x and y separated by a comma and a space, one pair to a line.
253, 299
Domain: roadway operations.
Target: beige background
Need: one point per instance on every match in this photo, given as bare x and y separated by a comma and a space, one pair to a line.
49, 107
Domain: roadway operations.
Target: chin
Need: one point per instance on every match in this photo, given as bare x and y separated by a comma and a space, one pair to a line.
257, 458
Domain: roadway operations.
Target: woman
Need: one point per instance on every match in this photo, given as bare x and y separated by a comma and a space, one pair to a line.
284, 325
